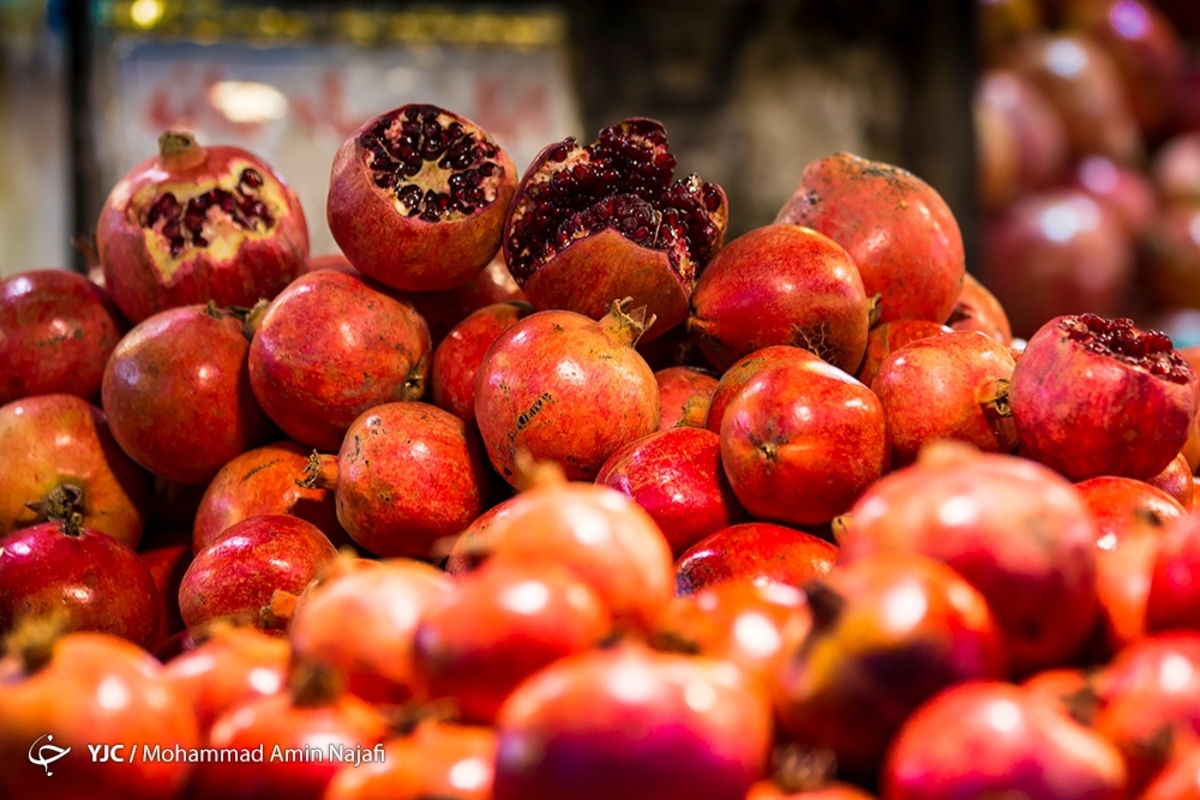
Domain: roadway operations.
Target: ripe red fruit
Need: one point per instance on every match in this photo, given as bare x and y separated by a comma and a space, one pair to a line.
444, 309
1127, 192
177, 393
457, 359
737, 376
331, 346
1017, 532
684, 396
1173, 255
57, 330
1179, 779
754, 553
1176, 480
236, 577
1035, 127
801, 441
781, 284
58, 452
985, 737
631, 723
897, 229
194, 224
1092, 397
166, 555
978, 309
543, 383
1174, 592
471, 548
417, 198
889, 337
590, 224
1176, 168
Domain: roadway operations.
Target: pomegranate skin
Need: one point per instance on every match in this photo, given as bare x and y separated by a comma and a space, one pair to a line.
684, 396
140, 271
891, 336
985, 737
456, 360
542, 382
332, 345
898, 231
166, 556
57, 443
177, 394
753, 553
1087, 413
780, 284
409, 474
1173, 600
979, 310
1176, 168
1036, 128
408, 252
801, 441
676, 477
1126, 192
739, 375
1179, 779
1173, 255
57, 330
1176, 479
444, 309
1017, 532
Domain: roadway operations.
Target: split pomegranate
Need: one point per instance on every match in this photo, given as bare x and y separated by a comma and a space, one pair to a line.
59, 456
1017, 532
592, 223
543, 384
983, 738
57, 330
736, 377
195, 224
801, 441
885, 339
676, 477
444, 309
631, 723
898, 231
177, 393
1173, 600
457, 359
684, 396
756, 554
1092, 397
331, 346
979, 310
417, 198
781, 284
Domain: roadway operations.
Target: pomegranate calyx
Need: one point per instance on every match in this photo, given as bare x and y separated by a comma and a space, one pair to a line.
61, 504
276, 615
669, 640
178, 150
532, 473
839, 525
695, 413
321, 472
1083, 705
800, 769
993, 397
315, 685
625, 326
825, 603
875, 310
404, 719
33, 640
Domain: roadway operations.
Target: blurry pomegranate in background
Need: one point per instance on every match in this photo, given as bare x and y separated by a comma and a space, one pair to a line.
1038, 132
1057, 253
1172, 256
1003, 22
997, 156
1176, 167
1124, 191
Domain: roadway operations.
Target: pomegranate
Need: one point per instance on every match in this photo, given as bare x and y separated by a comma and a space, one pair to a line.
1069, 689
1176, 479
1003, 23
684, 395
888, 632
417, 198
898, 231
802, 774
166, 555
996, 156
312, 715
1126, 192
502, 623
1179, 779
1037, 130
631, 723
457, 359
472, 547
327, 261
737, 376
332, 346
543, 381
1017, 532
177, 393
1172, 253
1174, 593
237, 576
983, 738
1176, 168
59, 457
801, 441
444, 309
754, 553
781, 284
194, 224
676, 476
88, 689
953, 386
382, 602
979, 310
1092, 397
605, 220
57, 329
261, 482
890, 336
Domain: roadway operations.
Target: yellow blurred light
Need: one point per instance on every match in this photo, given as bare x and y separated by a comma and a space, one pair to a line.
146, 13
248, 101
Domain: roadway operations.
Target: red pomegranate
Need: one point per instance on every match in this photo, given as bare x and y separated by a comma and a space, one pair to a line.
57, 330
1069, 689
194, 224
803, 774
898, 231
1173, 600
602, 221
472, 547
1179, 779
781, 284
891, 336
59, 457
1127, 192
177, 393
1176, 168
1017, 532
1173, 255
166, 555
417, 198
327, 261
543, 382
1092, 397
754, 553
997, 158
1002, 23
330, 347
801, 441
631, 723
979, 310
1176, 479
737, 376
676, 477
985, 737
888, 632
684, 395
444, 309
1036, 129
457, 359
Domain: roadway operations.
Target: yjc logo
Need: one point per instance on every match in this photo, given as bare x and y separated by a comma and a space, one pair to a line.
47, 754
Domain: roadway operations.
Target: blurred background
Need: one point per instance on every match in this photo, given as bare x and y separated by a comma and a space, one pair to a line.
1058, 130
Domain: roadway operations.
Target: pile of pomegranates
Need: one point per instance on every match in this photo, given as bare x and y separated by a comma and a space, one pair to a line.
403, 523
